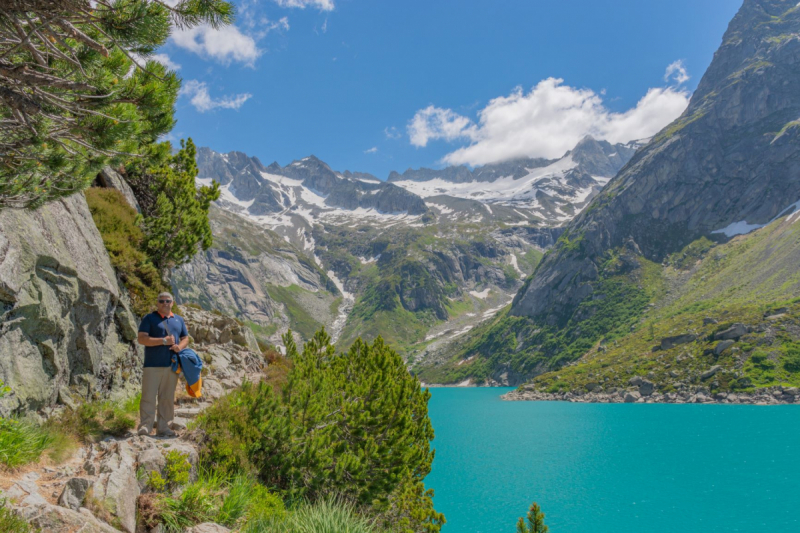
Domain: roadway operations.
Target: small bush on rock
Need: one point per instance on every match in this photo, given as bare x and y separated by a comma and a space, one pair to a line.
93, 420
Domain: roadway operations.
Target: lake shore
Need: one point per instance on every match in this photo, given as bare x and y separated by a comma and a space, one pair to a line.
768, 396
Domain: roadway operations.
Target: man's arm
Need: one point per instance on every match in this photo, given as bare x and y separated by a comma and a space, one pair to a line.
145, 340
181, 345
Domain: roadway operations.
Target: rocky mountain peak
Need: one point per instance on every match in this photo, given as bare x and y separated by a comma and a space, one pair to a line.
732, 159
601, 158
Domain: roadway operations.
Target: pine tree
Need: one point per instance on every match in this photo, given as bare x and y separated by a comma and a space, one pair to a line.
175, 212
535, 521
77, 91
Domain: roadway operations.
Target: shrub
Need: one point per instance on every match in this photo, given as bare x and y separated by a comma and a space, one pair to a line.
93, 420
11, 521
212, 498
792, 361
354, 424
124, 240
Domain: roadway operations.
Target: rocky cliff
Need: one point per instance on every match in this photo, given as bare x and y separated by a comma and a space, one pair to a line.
731, 161
66, 330
253, 274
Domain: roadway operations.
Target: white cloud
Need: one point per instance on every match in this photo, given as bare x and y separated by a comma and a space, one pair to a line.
323, 5
676, 71
546, 122
224, 45
165, 60
197, 91
434, 123
372, 150
392, 133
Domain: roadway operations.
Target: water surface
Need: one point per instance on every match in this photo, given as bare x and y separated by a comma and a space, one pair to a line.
617, 468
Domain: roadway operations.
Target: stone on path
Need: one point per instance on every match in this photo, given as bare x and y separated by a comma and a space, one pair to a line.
74, 493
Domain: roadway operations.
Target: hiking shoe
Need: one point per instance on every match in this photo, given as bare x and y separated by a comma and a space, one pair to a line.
144, 432
167, 433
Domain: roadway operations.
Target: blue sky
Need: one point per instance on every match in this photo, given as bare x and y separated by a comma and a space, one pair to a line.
376, 86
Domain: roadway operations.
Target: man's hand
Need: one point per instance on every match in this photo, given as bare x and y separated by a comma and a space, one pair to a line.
169, 340
175, 348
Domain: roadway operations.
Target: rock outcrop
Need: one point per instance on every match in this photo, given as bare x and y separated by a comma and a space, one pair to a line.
66, 329
245, 271
731, 161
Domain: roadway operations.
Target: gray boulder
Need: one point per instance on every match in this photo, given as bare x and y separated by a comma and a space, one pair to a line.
710, 372
635, 381
671, 342
48, 517
723, 345
111, 179
733, 332
646, 388
632, 397
74, 493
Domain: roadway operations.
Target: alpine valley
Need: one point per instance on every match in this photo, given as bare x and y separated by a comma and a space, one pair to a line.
419, 259
669, 269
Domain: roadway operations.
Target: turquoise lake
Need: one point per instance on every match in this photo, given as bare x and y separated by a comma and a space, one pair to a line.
617, 468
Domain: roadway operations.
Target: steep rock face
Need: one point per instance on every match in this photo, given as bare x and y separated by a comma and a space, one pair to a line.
66, 330
245, 272
731, 159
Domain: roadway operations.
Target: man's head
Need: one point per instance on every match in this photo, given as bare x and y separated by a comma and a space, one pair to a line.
164, 303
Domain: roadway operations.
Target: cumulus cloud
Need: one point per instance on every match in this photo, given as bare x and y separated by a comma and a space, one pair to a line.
434, 123
372, 150
676, 72
546, 122
323, 5
223, 45
197, 92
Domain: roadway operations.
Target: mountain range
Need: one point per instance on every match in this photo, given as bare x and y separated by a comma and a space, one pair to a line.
424, 255
431, 257
667, 229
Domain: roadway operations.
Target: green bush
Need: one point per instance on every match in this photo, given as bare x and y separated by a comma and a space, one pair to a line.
11, 521
792, 361
232, 502
354, 424
118, 225
93, 420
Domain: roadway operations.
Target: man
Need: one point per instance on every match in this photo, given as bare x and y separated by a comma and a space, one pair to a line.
163, 334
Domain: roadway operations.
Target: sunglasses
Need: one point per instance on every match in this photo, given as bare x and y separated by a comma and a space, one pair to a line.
165, 301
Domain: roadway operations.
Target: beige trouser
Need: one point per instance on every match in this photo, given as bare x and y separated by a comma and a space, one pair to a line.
161, 382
